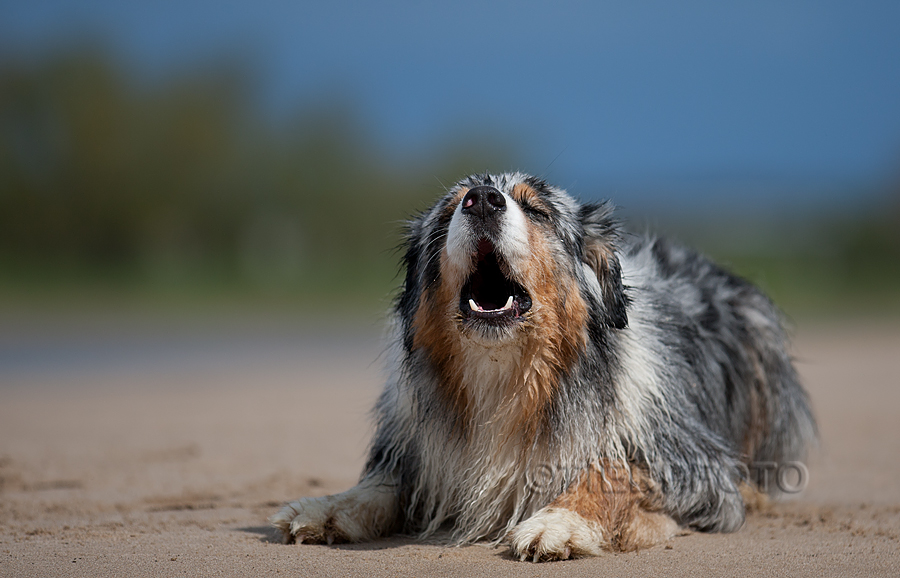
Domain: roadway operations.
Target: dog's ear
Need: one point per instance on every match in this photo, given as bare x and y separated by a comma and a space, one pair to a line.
601, 232
406, 303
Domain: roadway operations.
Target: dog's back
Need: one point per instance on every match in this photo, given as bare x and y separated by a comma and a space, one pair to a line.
740, 378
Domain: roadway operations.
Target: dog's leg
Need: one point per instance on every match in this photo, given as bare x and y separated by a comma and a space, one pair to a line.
363, 512
607, 509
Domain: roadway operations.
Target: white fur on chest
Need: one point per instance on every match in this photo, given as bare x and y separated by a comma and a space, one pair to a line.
482, 478
488, 374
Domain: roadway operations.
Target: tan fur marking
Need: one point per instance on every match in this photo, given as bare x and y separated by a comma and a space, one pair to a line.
573, 317
622, 499
754, 499
560, 310
598, 255
523, 192
436, 331
756, 426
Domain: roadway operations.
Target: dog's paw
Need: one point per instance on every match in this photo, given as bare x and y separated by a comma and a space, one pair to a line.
556, 534
645, 530
359, 514
310, 520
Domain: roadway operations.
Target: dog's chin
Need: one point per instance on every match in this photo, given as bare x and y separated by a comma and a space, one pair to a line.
492, 304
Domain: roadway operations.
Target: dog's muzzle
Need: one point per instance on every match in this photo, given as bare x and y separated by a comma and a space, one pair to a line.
490, 295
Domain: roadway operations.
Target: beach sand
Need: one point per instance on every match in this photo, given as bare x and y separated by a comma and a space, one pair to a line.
170, 466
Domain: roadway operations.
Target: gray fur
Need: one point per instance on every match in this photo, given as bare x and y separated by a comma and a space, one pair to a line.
682, 356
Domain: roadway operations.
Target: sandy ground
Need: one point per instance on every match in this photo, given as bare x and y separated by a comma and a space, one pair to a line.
163, 456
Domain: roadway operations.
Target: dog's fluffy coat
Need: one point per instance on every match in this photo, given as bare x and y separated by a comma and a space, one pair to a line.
563, 386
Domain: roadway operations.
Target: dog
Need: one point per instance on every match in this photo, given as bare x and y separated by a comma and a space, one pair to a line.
563, 387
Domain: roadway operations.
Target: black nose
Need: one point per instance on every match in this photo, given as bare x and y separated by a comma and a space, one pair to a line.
483, 201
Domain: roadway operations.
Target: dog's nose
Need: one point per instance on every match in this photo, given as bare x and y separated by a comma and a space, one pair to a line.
483, 201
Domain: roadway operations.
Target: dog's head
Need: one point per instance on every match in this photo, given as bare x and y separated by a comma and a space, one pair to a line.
508, 258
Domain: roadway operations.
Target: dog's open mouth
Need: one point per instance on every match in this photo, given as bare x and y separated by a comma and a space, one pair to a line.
489, 294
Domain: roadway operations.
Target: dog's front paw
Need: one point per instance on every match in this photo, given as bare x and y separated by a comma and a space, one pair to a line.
310, 520
556, 534
361, 513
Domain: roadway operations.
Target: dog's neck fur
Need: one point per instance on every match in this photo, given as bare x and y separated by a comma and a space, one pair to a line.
489, 376
482, 479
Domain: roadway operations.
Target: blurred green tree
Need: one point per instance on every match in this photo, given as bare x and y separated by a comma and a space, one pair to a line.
183, 183
183, 186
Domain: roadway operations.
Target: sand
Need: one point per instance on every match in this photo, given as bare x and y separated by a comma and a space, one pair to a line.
156, 452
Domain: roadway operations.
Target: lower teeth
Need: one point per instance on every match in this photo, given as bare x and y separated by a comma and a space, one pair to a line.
476, 307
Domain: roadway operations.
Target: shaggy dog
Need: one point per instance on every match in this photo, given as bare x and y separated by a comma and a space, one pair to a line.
564, 387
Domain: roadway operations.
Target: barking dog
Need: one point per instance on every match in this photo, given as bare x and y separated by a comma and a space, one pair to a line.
563, 387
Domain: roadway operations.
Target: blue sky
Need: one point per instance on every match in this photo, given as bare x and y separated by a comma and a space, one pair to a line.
778, 95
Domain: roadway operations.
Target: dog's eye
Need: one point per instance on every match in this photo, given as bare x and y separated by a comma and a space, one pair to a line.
535, 213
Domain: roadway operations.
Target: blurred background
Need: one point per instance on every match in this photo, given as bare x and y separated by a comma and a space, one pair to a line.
227, 157
201, 203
